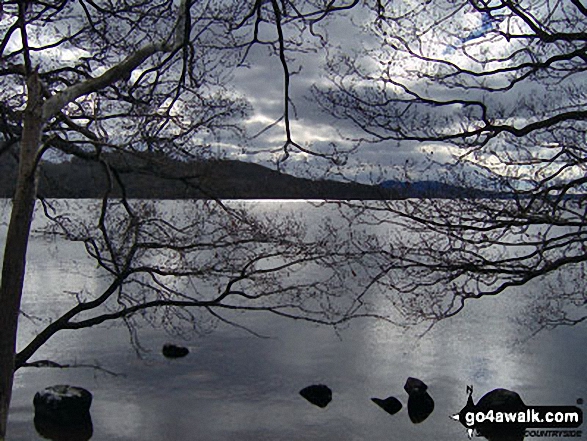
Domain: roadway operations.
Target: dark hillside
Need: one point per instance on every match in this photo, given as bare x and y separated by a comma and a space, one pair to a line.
154, 176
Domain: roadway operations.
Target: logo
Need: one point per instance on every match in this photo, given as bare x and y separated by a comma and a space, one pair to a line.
502, 414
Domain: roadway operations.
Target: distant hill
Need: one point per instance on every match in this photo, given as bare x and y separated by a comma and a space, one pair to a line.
434, 189
159, 177
150, 175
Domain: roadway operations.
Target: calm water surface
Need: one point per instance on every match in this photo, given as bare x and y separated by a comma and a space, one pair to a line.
235, 386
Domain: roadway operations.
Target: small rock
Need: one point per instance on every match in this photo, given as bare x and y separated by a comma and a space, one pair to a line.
174, 351
420, 406
501, 400
391, 404
63, 404
317, 394
413, 385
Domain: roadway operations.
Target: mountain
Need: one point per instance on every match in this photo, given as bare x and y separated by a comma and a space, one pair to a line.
160, 177
153, 175
433, 189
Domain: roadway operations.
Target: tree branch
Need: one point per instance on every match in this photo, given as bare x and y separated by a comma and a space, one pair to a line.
122, 70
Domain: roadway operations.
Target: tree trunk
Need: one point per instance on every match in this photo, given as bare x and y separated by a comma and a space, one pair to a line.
17, 236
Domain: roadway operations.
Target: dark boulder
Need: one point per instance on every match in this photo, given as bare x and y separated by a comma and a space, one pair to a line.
420, 403
391, 404
420, 406
414, 385
63, 413
174, 351
501, 400
64, 403
80, 430
317, 394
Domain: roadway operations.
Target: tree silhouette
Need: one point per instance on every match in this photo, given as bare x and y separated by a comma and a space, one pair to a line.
494, 93
83, 78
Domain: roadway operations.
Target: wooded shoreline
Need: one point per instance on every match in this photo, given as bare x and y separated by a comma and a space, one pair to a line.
148, 177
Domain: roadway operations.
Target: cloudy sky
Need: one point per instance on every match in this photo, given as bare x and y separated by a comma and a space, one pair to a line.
351, 33
315, 129
469, 39
312, 127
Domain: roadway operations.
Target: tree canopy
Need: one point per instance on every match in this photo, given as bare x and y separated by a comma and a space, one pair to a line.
491, 91
494, 93
87, 77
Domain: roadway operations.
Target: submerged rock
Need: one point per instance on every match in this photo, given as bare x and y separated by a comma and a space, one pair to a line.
174, 351
390, 404
317, 394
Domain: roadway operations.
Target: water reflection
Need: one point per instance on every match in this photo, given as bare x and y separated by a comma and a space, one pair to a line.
236, 386
81, 430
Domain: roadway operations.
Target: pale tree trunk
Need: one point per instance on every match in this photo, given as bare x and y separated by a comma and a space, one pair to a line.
17, 236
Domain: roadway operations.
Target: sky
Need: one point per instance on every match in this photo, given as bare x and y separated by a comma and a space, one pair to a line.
470, 39
261, 84
317, 130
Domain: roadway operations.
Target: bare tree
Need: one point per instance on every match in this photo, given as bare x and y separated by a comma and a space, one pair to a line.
494, 93
84, 78
180, 265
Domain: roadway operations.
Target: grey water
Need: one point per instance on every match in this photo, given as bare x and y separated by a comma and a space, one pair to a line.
237, 386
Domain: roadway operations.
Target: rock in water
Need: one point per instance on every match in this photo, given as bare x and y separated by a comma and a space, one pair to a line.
63, 413
317, 394
174, 351
67, 403
391, 404
420, 403
501, 400
420, 406
413, 385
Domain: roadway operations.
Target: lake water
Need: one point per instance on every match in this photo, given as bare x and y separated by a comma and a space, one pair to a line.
236, 386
